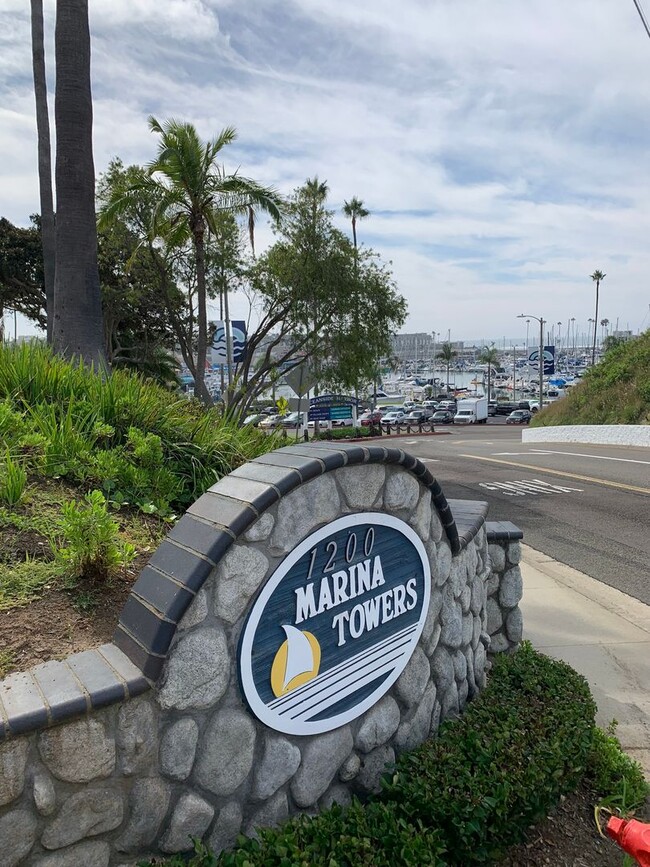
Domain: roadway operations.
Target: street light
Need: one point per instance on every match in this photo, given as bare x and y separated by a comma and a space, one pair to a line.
541, 351
434, 334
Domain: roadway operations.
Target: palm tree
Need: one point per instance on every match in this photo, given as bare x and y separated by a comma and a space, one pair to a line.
193, 188
78, 330
44, 161
603, 324
490, 356
447, 353
355, 210
597, 277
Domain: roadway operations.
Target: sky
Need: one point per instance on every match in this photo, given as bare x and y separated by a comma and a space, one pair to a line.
501, 146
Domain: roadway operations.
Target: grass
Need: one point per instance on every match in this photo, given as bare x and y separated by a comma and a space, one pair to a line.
94, 469
6, 662
30, 533
137, 442
615, 391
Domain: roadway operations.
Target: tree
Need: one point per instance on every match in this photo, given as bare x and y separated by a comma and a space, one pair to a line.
138, 268
77, 327
192, 189
44, 160
21, 271
307, 314
603, 324
490, 356
447, 353
597, 277
137, 329
355, 210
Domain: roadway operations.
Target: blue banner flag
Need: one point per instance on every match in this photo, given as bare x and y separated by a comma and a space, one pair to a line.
238, 327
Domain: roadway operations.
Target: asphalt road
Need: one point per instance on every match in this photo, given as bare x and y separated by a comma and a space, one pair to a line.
586, 506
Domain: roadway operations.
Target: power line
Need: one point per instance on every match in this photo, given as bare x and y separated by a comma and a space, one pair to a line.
637, 3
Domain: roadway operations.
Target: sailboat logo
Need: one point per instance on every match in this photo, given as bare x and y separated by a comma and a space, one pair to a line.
296, 662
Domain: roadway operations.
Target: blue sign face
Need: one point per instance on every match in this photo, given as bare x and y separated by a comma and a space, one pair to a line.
336, 624
549, 359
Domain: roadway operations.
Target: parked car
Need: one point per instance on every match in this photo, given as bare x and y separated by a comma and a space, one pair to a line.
417, 416
271, 421
393, 417
254, 419
293, 420
431, 404
492, 409
443, 416
519, 416
369, 418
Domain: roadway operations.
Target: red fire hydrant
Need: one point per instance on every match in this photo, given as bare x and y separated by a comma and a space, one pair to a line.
633, 837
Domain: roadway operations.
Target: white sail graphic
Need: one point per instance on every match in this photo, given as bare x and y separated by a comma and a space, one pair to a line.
300, 656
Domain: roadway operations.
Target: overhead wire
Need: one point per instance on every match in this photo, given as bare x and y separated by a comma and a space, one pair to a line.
644, 20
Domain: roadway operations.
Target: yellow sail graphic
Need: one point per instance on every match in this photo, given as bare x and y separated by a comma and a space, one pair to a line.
296, 662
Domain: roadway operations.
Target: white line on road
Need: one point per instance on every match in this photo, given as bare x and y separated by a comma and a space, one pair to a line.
580, 455
430, 460
521, 453
528, 486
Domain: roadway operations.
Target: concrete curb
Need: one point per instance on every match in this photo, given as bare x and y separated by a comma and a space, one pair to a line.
602, 633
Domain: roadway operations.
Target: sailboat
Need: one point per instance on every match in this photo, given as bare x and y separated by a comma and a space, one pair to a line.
296, 662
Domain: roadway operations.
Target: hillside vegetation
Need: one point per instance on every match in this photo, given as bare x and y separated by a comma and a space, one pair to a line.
93, 471
616, 391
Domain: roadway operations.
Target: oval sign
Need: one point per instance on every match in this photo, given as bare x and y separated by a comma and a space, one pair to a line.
335, 625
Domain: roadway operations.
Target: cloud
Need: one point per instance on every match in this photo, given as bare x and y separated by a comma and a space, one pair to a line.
501, 148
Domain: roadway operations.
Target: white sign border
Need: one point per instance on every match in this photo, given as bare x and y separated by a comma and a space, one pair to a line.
257, 706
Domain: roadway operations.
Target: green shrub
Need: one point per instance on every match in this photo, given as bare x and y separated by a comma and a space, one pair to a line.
340, 433
164, 450
613, 774
92, 547
32, 447
12, 481
461, 798
11, 422
371, 835
490, 775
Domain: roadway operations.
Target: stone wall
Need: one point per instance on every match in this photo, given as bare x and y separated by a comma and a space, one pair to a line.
596, 434
505, 587
136, 771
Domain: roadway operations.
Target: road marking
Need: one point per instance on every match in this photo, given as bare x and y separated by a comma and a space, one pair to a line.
411, 442
528, 486
480, 442
580, 455
561, 473
430, 460
522, 454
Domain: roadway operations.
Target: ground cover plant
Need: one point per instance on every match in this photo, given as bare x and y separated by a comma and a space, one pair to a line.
93, 470
135, 441
615, 391
464, 797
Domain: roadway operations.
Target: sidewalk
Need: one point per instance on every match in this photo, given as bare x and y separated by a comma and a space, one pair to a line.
599, 631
